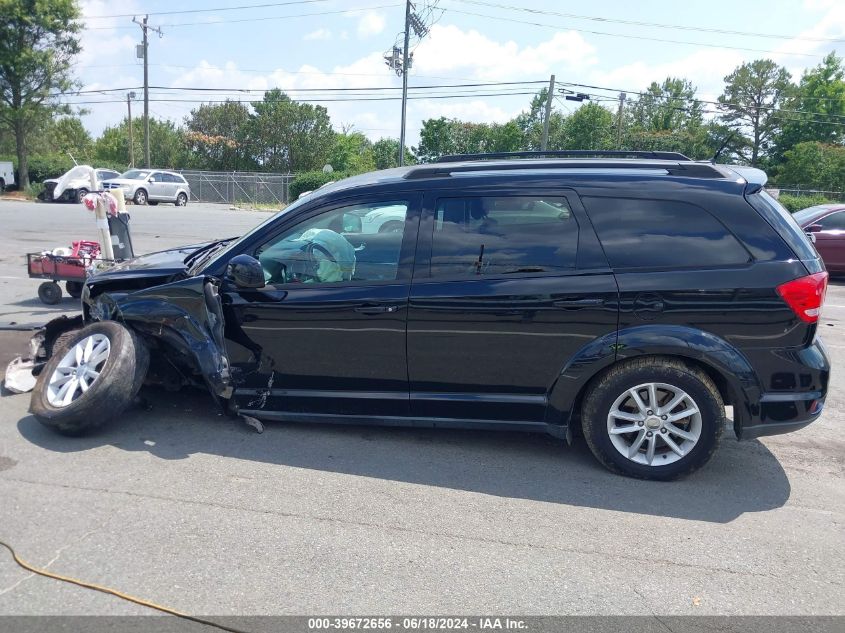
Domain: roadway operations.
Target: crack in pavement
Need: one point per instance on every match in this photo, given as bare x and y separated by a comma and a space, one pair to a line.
50, 562
385, 526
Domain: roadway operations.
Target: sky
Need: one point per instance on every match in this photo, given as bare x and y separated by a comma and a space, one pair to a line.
306, 46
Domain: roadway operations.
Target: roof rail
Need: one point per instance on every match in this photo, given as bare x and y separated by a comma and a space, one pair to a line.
569, 153
690, 169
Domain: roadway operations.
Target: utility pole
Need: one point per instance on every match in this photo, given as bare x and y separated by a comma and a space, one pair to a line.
403, 65
545, 142
129, 97
622, 97
146, 49
405, 81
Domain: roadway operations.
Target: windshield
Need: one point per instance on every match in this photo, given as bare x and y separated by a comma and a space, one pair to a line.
135, 174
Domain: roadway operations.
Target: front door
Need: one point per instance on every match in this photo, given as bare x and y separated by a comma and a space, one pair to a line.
830, 241
157, 186
513, 287
326, 336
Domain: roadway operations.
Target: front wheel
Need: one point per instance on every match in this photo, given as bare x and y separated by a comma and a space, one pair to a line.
140, 197
91, 378
81, 193
653, 418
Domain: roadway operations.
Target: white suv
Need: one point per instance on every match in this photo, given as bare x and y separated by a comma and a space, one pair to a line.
151, 186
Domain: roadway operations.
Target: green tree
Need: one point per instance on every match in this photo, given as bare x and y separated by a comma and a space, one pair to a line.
386, 154
589, 127
38, 41
290, 137
352, 152
814, 165
69, 136
816, 110
167, 144
666, 107
439, 137
216, 137
753, 94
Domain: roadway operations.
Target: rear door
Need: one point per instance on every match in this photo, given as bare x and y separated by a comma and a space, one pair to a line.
507, 288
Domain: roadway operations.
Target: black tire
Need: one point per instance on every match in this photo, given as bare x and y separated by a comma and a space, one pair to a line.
603, 393
50, 293
140, 197
81, 193
74, 288
120, 378
152, 203
393, 226
181, 200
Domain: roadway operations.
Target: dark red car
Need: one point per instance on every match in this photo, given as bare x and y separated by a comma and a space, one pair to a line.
826, 222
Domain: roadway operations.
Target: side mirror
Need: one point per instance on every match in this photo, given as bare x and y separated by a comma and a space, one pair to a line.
151, 179
811, 237
245, 271
814, 228
351, 223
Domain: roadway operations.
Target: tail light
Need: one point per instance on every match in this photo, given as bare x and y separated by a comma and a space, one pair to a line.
805, 296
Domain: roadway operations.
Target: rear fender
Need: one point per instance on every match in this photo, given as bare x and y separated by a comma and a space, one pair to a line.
188, 316
715, 354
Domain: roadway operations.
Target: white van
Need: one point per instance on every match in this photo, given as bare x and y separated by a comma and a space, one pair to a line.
7, 175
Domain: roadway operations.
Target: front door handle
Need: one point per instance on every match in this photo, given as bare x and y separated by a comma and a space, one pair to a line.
376, 309
577, 303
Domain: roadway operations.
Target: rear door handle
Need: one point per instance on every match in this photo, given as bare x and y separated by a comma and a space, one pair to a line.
577, 303
376, 309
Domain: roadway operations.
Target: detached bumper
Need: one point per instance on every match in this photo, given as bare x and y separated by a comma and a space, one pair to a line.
806, 374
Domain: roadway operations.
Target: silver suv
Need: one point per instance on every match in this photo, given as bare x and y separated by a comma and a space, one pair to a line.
151, 186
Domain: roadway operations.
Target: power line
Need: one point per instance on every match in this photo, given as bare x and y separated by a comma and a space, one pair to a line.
660, 25
633, 37
216, 10
261, 19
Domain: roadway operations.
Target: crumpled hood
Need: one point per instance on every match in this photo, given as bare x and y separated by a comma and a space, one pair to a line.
159, 267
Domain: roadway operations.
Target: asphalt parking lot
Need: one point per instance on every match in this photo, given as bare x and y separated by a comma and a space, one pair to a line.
190, 509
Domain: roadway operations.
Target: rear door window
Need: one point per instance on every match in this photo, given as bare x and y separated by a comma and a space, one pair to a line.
496, 235
638, 233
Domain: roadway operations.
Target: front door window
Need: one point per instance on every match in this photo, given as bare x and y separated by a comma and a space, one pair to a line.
360, 242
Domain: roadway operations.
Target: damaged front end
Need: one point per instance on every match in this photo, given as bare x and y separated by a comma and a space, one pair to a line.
182, 323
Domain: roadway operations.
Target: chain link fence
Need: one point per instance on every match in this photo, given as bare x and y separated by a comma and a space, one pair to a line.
797, 190
239, 187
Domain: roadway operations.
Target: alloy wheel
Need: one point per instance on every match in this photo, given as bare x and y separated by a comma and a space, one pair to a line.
78, 370
654, 424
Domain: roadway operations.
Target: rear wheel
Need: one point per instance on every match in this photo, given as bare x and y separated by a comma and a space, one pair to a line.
653, 418
393, 226
50, 293
81, 193
181, 200
140, 197
90, 379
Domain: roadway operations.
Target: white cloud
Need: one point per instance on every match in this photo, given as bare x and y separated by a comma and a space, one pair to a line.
451, 49
371, 23
319, 34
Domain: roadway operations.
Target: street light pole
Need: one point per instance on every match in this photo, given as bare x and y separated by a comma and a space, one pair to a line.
129, 97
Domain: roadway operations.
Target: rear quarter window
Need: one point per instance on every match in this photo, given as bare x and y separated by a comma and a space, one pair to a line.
638, 233
783, 222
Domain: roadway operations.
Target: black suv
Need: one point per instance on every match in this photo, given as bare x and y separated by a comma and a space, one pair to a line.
629, 297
